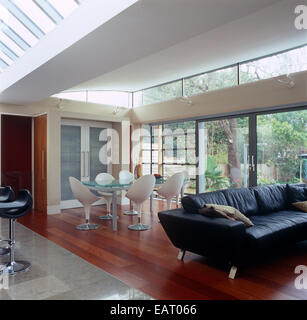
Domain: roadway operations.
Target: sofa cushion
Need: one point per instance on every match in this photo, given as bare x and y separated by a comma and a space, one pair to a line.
193, 203
271, 198
277, 229
242, 199
297, 193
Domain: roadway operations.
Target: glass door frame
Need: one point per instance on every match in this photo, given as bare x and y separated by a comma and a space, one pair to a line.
85, 126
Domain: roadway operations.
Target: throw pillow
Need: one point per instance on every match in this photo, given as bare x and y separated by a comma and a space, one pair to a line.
301, 205
232, 213
211, 212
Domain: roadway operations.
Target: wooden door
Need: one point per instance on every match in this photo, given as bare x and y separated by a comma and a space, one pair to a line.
40, 164
16, 152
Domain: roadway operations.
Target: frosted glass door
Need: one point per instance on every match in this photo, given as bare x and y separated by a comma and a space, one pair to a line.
70, 158
97, 152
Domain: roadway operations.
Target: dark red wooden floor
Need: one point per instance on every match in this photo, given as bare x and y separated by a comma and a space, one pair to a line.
147, 260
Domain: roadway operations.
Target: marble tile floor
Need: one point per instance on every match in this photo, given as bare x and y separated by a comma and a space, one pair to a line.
58, 274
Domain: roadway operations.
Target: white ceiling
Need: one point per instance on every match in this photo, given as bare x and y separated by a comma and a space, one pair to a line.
154, 41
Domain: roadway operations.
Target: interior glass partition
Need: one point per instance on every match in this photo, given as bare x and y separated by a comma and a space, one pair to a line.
170, 148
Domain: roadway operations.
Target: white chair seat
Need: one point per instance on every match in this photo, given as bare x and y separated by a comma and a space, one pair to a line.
87, 198
171, 188
138, 193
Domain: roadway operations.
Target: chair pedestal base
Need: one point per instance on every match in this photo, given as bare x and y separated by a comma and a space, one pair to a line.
130, 213
88, 226
17, 266
107, 217
139, 227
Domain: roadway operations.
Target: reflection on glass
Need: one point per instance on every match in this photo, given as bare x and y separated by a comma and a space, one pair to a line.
210, 81
162, 93
273, 66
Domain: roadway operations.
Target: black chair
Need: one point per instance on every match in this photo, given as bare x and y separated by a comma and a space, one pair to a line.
13, 210
6, 195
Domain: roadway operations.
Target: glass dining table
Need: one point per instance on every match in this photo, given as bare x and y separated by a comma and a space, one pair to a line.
116, 186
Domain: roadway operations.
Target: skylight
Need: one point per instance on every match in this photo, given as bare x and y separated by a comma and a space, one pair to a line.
24, 22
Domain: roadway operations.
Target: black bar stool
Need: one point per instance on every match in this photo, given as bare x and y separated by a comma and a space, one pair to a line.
6, 195
13, 210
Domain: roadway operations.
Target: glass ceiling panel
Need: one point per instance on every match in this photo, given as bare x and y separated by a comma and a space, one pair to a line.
11, 45
6, 59
64, 7
16, 26
24, 22
35, 14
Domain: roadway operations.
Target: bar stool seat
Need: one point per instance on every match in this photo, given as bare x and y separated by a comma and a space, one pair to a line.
6, 195
13, 210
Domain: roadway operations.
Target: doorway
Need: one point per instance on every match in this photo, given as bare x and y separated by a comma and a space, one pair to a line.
83, 154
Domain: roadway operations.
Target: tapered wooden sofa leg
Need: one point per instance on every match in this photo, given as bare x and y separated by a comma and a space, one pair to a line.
233, 272
181, 254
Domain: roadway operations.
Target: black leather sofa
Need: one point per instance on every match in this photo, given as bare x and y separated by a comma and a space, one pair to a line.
277, 224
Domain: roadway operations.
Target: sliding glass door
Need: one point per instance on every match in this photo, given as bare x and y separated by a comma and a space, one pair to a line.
282, 147
223, 154
256, 149
230, 152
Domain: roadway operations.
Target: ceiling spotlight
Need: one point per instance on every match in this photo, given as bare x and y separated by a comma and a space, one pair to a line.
115, 111
288, 81
60, 104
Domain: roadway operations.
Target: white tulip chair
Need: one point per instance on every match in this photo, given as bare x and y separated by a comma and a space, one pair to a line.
139, 192
127, 177
171, 188
105, 179
186, 182
87, 198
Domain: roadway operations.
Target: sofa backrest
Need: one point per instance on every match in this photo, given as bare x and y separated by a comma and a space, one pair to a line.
297, 192
271, 198
242, 199
194, 202
250, 201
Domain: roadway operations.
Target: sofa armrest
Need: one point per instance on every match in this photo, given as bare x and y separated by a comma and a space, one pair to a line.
216, 237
